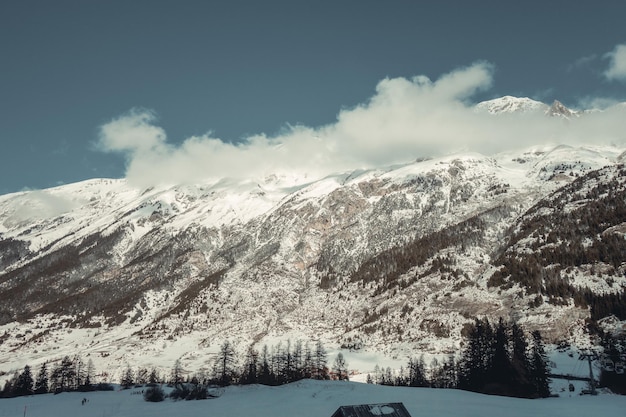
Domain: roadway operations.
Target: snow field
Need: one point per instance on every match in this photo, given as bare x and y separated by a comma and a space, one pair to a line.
310, 398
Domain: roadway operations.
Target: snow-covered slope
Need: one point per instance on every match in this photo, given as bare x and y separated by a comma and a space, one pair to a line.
510, 104
311, 398
392, 261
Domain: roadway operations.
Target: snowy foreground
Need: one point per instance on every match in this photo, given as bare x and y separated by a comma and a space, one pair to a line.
311, 398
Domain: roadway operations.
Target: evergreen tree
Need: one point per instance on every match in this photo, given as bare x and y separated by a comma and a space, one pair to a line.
307, 366
55, 380
250, 374
450, 375
417, 373
401, 378
340, 368
79, 372
177, 373
377, 375
68, 374
320, 370
539, 371
265, 376
388, 377
520, 361
298, 361
142, 376
24, 384
443, 375
226, 364
499, 374
63, 376
475, 359
10, 385
127, 380
90, 372
41, 383
154, 377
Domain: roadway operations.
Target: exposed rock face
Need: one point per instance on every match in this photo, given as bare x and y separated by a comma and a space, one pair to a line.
559, 110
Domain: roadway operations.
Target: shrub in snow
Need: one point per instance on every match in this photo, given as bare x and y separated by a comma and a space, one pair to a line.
154, 394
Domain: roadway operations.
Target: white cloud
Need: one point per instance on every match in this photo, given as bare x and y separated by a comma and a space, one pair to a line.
133, 132
583, 62
405, 119
617, 65
36, 205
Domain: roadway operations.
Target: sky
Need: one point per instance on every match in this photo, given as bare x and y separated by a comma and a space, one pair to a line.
188, 91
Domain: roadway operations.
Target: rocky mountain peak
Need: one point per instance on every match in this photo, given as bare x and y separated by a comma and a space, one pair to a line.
558, 109
510, 104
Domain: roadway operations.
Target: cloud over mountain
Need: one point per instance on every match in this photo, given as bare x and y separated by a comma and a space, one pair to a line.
617, 65
404, 119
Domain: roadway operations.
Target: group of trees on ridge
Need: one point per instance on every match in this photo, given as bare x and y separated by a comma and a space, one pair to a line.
497, 359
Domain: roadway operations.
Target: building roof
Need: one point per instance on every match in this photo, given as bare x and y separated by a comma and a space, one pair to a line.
372, 410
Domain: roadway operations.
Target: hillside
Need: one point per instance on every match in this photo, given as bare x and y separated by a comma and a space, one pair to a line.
391, 262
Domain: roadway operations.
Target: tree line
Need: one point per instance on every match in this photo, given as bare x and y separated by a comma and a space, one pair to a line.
497, 359
70, 374
280, 364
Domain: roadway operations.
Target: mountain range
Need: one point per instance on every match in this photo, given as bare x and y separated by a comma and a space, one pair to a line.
392, 261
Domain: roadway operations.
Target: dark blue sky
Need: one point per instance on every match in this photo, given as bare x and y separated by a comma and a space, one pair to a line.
238, 68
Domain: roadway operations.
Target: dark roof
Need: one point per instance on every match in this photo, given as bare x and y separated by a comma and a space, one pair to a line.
372, 410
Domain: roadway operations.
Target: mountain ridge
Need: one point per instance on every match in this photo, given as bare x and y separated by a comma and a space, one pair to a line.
395, 260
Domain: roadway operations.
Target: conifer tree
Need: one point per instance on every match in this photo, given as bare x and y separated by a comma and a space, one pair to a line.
154, 377
519, 359
79, 372
41, 383
475, 358
127, 379
417, 373
321, 369
24, 384
177, 373
89, 375
9, 386
499, 371
307, 365
539, 372
250, 373
266, 376
298, 361
340, 367
226, 364
141, 376
63, 376
377, 375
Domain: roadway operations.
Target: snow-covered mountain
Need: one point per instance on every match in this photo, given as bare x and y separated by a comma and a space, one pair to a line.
391, 261
510, 104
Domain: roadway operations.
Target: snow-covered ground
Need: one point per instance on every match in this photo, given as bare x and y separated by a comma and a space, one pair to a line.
311, 398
